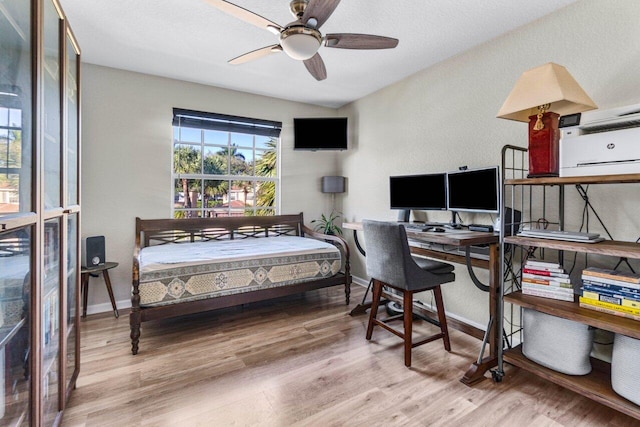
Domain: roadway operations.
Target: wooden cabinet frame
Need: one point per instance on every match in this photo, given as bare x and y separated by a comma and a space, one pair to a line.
35, 218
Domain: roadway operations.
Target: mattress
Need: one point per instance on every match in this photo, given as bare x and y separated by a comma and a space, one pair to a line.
181, 272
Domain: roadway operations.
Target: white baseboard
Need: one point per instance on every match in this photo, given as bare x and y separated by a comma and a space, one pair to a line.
359, 281
106, 307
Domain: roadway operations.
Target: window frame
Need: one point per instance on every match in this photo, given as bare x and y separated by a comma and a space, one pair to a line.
202, 124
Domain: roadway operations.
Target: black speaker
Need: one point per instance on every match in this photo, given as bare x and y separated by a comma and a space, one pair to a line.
93, 252
512, 219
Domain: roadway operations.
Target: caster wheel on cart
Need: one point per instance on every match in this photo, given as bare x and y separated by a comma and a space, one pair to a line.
497, 376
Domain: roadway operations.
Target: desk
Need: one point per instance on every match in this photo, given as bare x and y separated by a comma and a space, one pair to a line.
94, 271
476, 371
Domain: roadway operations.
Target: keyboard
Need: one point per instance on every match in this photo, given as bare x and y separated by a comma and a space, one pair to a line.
414, 226
422, 226
481, 227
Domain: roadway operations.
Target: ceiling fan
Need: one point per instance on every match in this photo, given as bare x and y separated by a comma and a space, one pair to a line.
302, 38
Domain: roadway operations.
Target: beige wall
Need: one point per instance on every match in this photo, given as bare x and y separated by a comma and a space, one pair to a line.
433, 121
126, 158
444, 117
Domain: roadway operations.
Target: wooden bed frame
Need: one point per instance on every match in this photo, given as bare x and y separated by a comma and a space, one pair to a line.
162, 231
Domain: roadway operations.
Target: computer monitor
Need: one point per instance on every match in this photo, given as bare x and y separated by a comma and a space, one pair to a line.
474, 190
420, 192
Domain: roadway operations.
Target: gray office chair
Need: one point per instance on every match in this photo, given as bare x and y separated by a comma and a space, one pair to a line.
389, 263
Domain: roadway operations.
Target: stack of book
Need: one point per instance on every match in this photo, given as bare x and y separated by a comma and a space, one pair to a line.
546, 279
611, 291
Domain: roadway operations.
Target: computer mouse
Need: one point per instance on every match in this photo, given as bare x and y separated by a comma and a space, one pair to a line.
438, 229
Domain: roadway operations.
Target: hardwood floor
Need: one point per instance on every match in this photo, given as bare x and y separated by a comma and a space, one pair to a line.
301, 361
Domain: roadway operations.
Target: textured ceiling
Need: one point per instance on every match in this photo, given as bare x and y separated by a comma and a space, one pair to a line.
191, 40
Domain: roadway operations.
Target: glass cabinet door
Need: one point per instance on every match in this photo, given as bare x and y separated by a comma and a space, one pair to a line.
16, 166
72, 91
72, 199
15, 107
55, 226
15, 343
50, 312
52, 111
73, 270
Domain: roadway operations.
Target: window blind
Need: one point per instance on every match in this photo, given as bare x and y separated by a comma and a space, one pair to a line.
226, 123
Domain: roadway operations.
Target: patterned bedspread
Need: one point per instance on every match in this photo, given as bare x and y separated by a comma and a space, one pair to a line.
174, 273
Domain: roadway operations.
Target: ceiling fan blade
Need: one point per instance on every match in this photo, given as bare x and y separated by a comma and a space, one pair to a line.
320, 10
255, 54
246, 15
359, 41
315, 66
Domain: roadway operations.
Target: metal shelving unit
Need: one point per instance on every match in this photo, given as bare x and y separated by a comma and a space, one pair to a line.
545, 194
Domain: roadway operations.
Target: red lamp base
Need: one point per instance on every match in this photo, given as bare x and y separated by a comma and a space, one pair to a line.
544, 146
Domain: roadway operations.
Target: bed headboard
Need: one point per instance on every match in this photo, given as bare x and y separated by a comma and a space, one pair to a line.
160, 231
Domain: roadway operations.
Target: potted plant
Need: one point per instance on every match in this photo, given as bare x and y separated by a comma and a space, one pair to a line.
325, 224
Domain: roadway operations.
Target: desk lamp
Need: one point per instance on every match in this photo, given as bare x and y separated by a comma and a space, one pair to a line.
539, 97
333, 185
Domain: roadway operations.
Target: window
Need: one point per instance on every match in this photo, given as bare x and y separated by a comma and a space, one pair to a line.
224, 165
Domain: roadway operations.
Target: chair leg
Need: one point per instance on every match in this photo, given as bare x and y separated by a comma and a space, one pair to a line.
408, 324
375, 302
437, 293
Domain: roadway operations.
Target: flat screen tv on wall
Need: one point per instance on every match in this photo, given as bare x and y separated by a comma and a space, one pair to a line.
320, 133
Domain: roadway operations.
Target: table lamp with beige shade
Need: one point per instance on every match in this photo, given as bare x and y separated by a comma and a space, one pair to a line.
540, 96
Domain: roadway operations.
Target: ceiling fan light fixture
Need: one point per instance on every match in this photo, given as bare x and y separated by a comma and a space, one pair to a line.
301, 38
300, 42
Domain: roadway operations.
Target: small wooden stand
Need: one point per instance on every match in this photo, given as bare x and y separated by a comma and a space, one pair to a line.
95, 271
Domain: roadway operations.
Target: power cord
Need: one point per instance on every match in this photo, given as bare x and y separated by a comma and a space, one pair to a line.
582, 191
